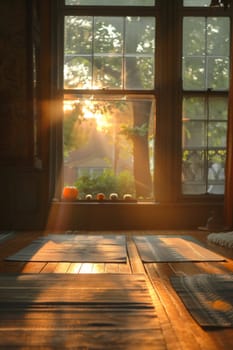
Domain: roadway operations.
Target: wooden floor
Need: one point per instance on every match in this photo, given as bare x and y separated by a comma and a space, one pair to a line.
179, 330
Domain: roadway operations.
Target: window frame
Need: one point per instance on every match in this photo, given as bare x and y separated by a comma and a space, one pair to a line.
167, 90
207, 12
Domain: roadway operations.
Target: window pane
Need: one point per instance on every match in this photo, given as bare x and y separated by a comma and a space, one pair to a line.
204, 144
218, 73
205, 3
218, 107
197, 3
139, 73
139, 52
194, 73
78, 35
193, 135
109, 52
107, 72
218, 36
216, 171
193, 172
110, 2
108, 35
217, 134
114, 135
78, 72
78, 52
206, 53
194, 29
193, 108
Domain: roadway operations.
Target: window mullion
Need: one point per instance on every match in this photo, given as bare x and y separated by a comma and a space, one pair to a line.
168, 105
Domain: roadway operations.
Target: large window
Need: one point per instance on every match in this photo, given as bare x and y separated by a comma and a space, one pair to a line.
128, 124
109, 103
206, 51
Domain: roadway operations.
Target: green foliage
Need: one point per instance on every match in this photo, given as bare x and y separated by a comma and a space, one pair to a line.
125, 182
72, 135
206, 53
106, 183
111, 35
131, 132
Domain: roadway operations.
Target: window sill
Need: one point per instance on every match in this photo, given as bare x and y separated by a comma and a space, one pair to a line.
112, 215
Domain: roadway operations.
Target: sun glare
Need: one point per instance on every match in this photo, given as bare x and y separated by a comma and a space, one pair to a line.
90, 110
68, 106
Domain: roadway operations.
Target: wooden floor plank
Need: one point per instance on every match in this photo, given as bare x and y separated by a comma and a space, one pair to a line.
189, 334
98, 268
125, 268
112, 268
214, 268
112, 311
179, 329
74, 268
63, 339
49, 267
86, 268
11, 267
62, 267
135, 262
33, 267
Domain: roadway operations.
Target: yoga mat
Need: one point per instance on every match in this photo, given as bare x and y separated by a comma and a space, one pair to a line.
5, 235
173, 248
224, 239
74, 248
78, 311
208, 298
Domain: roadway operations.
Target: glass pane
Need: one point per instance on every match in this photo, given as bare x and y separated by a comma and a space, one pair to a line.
193, 53
77, 72
139, 52
193, 134
194, 73
203, 172
109, 52
110, 2
197, 3
194, 36
204, 144
109, 145
218, 73
139, 73
193, 172
217, 132
218, 36
194, 108
77, 52
198, 108
216, 171
108, 35
205, 3
78, 35
140, 35
206, 53
218, 107
107, 72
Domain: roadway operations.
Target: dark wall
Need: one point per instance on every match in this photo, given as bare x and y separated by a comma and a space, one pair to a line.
22, 184
15, 141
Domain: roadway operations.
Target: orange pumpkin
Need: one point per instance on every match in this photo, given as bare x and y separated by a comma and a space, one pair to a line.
100, 196
70, 193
